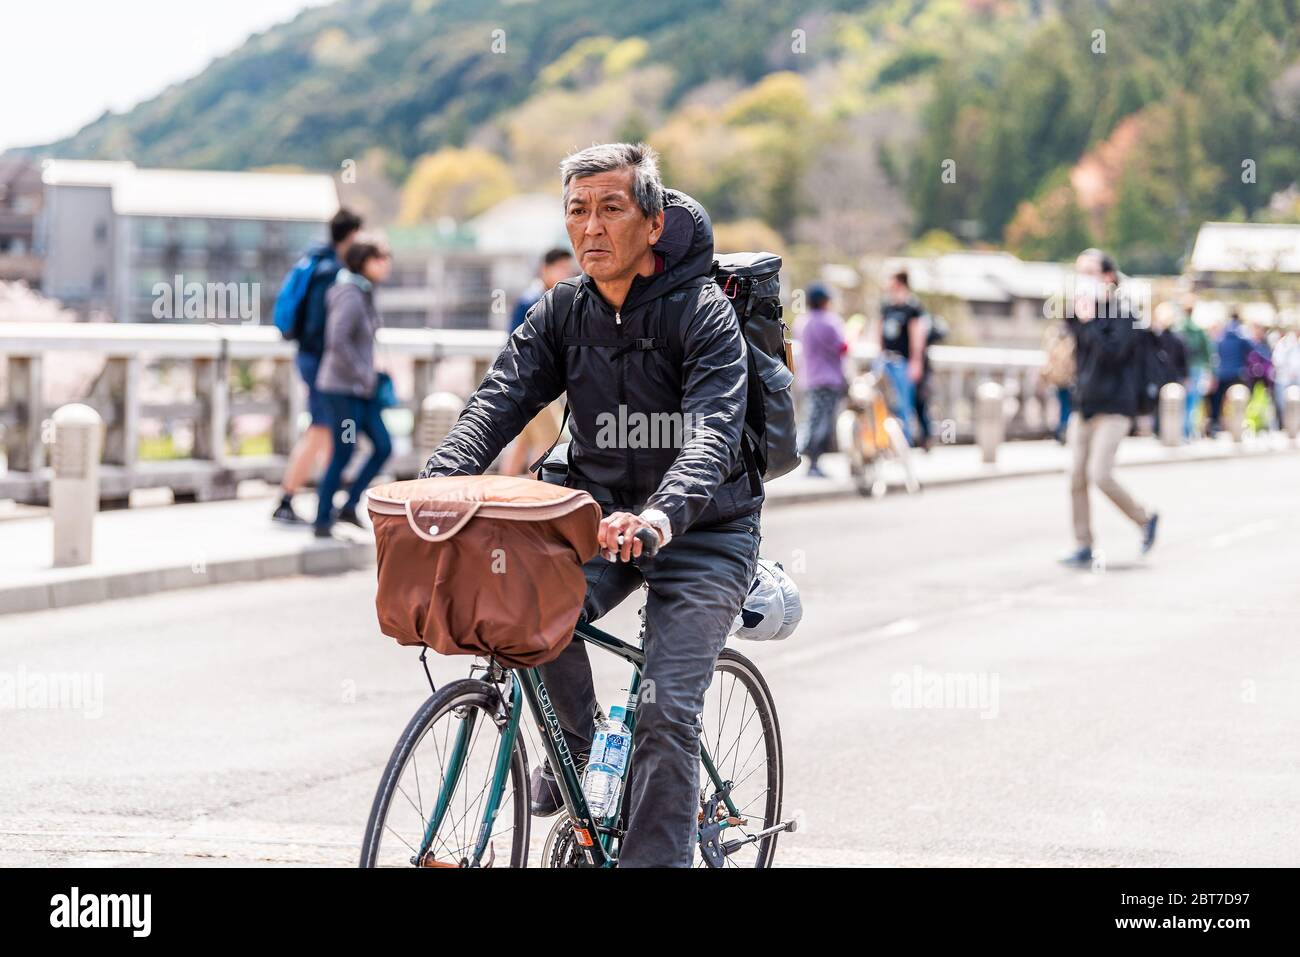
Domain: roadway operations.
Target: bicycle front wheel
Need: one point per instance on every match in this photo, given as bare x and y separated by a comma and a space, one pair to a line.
742, 738
434, 803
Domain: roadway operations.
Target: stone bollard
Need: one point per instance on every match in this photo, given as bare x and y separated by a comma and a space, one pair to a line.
1291, 411
1234, 410
990, 426
1173, 403
438, 412
74, 488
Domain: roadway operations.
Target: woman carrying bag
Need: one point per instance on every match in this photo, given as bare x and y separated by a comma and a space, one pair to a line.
355, 393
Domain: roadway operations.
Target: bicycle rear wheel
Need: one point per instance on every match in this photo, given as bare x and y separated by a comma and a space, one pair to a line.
743, 738
464, 712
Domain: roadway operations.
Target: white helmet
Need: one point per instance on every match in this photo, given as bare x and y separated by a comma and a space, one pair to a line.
772, 608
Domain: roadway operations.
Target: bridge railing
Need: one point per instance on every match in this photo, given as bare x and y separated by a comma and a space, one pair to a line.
249, 370
957, 371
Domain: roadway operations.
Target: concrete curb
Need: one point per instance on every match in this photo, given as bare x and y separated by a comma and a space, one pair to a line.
319, 558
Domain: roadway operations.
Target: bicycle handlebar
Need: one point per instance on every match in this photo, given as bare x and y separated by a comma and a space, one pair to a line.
649, 540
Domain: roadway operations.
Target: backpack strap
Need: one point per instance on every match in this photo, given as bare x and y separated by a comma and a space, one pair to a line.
673, 338
751, 463
562, 301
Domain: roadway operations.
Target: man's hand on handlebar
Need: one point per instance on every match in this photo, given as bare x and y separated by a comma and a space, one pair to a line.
624, 536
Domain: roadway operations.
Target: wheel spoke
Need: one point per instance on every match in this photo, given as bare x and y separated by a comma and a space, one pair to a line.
728, 727
395, 837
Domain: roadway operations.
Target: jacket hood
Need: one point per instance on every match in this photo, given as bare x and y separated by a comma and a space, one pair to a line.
686, 247
347, 277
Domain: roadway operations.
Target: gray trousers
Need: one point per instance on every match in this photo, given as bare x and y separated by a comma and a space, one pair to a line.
696, 587
1094, 442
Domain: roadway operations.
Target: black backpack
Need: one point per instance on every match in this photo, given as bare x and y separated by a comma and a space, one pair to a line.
752, 283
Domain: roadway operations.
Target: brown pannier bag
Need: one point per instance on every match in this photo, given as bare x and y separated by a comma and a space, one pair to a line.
482, 565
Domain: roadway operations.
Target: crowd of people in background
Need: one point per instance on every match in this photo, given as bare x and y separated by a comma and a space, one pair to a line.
335, 327
1205, 361
901, 338
335, 330
347, 393
1101, 361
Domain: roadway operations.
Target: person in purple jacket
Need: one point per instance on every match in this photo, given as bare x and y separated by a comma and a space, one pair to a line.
821, 369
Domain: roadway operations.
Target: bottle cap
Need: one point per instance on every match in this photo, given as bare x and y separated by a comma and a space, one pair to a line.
616, 713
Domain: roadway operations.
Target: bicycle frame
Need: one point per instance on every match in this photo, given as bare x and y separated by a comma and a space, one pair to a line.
594, 837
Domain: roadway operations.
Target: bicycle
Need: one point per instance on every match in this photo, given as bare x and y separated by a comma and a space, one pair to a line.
463, 708
869, 433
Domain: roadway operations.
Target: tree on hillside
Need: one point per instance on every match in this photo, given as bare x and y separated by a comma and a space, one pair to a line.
1051, 227
460, 183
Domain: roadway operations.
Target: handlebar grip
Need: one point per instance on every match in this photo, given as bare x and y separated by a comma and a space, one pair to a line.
649, 540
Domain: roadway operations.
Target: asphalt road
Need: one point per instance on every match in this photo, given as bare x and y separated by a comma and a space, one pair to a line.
1144, 713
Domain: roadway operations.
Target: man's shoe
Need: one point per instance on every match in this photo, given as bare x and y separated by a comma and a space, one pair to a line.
350, 516
1149, 533
285, 515
815, 472
322, 531
1079, 559
544, 791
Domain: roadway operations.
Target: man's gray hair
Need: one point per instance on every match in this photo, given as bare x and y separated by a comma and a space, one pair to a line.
647, 187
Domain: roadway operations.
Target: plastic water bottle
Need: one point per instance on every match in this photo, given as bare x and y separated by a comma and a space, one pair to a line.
603, 783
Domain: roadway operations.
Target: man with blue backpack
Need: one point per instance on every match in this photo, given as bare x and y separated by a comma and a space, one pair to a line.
300, 316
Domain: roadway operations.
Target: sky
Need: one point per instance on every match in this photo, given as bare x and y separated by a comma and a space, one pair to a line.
66, 61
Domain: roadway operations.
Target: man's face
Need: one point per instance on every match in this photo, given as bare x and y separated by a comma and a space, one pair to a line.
560, 269
1087, 283
609, 233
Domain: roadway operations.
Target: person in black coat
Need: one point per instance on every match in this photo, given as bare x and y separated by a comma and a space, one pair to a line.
1170, 352
1109, 377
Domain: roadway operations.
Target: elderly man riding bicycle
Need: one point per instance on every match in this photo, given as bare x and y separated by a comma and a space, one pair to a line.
643, 332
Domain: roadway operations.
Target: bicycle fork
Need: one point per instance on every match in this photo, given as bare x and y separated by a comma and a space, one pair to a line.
456, 764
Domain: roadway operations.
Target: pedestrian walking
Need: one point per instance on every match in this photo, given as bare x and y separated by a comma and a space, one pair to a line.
902, 346
315, 274
348, 379
1259, 379
1170, 352
820, 333
1232, 348
1200, 368
936, 330
1108, 381
1286, 368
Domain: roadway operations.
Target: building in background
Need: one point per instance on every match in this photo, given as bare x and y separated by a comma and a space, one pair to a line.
468, 276
989, 298
1252, 265
20, 205
111, 233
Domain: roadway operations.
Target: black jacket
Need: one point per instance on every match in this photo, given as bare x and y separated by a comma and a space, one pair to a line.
674, 347
1172, 354
1107, 365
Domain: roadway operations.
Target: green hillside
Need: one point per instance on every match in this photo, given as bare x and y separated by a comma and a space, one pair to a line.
838, 127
